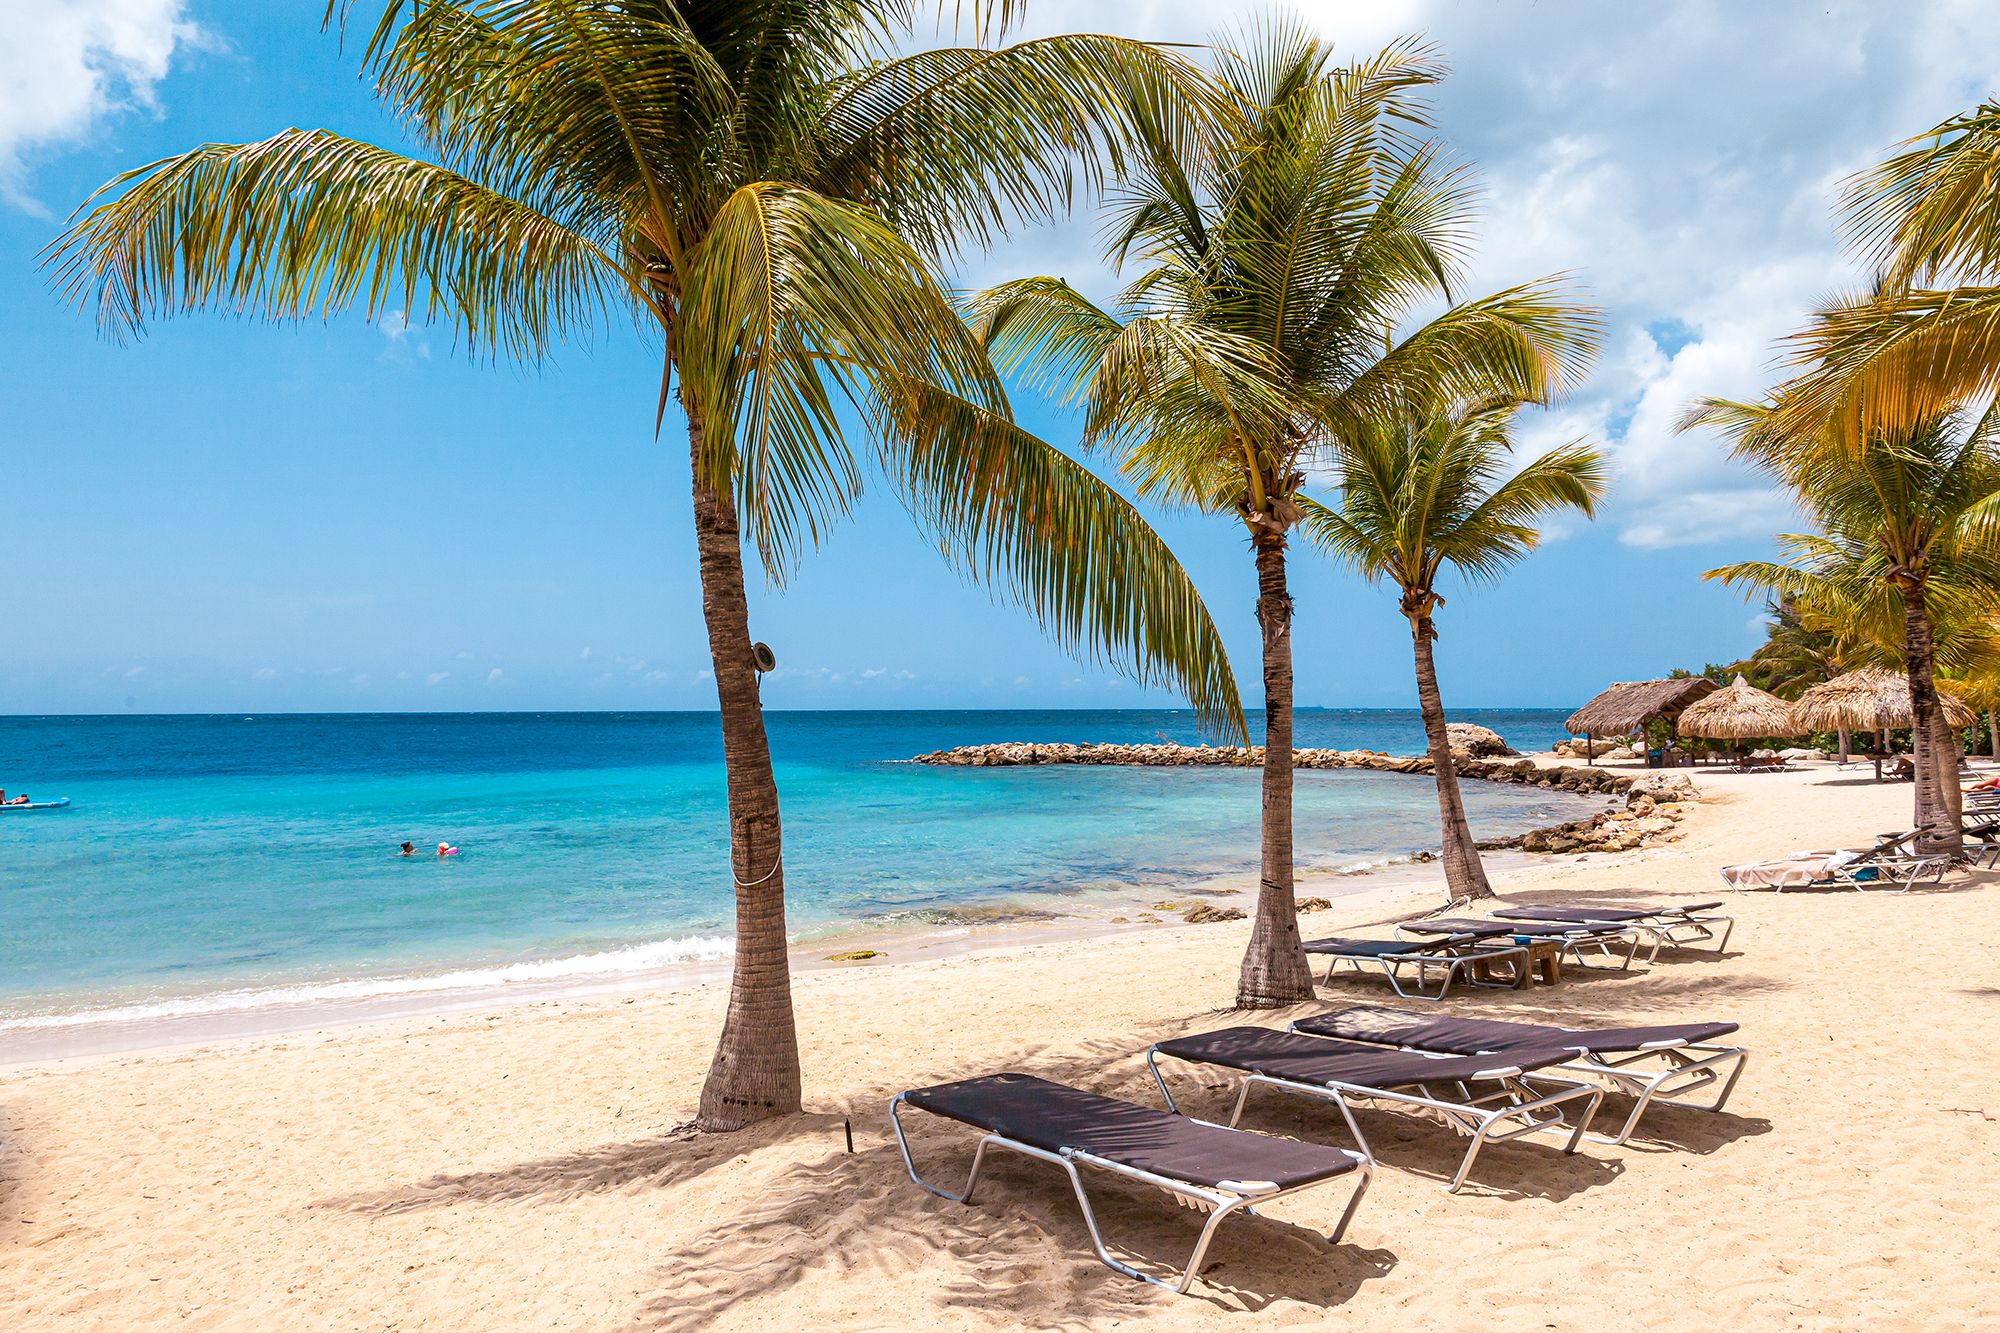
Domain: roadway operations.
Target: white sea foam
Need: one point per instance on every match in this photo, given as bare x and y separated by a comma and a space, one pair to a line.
583, 966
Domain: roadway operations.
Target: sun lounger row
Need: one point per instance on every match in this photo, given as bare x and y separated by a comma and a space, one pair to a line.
1431, 956
1491, 1081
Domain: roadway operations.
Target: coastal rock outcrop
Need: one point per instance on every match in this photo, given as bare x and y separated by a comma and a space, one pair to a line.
1203, 913
1165, 754
1611, 831
1477, 741
1663, 788
1580, 747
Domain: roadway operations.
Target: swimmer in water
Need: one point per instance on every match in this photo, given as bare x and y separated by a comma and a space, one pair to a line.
446, 849
409, 849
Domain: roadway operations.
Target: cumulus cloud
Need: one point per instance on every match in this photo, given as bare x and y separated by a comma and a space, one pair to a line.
1681, 161
68, 65
437, 678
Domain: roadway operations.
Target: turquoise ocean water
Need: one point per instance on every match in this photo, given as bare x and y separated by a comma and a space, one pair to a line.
225, 862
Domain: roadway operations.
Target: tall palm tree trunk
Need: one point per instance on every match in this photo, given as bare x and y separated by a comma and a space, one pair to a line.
1993, 733
1275, 971
755, 1073
1936, 752
1464, 874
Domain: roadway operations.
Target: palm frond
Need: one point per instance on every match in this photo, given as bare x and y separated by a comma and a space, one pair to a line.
795, 306
1009, 508
309, 223
960, 143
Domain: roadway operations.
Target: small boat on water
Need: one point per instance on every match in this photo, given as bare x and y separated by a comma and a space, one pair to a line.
57, 804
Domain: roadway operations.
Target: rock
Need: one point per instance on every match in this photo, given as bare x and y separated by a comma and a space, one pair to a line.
1579, 747
1801, 754
1641, 804
1313, 904
854, 956
1203, 913
1477, 741
1664, 788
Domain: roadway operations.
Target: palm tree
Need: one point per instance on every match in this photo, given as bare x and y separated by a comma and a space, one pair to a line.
1423, 489
763, 185
1908, 549
1278, 255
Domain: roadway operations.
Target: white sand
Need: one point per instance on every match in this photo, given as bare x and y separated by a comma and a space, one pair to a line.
519, 1168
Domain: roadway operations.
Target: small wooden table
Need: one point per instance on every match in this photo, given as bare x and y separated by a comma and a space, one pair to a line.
1544, 963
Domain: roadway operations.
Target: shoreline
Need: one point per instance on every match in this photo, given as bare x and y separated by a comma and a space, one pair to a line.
56, 1040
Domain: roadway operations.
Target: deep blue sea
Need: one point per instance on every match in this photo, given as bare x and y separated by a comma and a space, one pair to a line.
216, 862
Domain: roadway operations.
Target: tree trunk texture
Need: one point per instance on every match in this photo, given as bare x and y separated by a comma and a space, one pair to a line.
1993, 732
1275, 971
1936, 751
1846, 739
755, 1073
1464, 874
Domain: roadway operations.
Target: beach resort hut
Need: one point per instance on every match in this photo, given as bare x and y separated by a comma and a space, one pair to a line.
1871, 699
1738, 712
1631, 704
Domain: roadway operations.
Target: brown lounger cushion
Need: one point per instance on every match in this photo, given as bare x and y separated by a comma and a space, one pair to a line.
1580, 912
1054, 1116
1469, 1036
1318, 1060
1485, 929
1348, 948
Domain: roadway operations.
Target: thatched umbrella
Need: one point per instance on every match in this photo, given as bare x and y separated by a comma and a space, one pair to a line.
1737, 712
1871, 699
1629, 705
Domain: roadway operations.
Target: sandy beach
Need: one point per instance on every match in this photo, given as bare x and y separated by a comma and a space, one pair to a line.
524, 1167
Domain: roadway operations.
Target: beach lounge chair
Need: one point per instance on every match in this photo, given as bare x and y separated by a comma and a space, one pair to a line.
1672, 926
1351, 1074
1452, 958
1889, 864
1208, 1166
1572, 937
1662, 1064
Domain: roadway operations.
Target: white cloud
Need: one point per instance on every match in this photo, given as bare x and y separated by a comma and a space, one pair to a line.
264, 673
400, 344
437, 678
493, 676
67, 65
1681, 161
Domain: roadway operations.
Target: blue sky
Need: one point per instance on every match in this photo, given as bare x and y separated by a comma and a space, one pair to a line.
233, 517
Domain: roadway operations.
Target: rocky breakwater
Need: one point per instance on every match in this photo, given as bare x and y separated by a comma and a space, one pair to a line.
1647, 816
1166, 754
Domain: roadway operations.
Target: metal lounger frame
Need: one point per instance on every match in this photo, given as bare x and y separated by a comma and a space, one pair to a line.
1470, 1116
1689, 1067
1671, 929
1899, 874
1456, 967
1220, 1200
1571, 944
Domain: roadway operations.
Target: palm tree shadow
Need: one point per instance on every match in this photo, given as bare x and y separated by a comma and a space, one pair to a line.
1021, 1247
661, 1161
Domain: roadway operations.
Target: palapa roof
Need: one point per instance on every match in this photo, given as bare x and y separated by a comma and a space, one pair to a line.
1869, 700
1631, 704
1738, 711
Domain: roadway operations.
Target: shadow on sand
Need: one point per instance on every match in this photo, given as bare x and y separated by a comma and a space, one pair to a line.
1020, 1249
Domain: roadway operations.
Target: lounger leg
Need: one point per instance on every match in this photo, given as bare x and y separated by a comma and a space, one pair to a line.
1366, 1170
910, 1165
